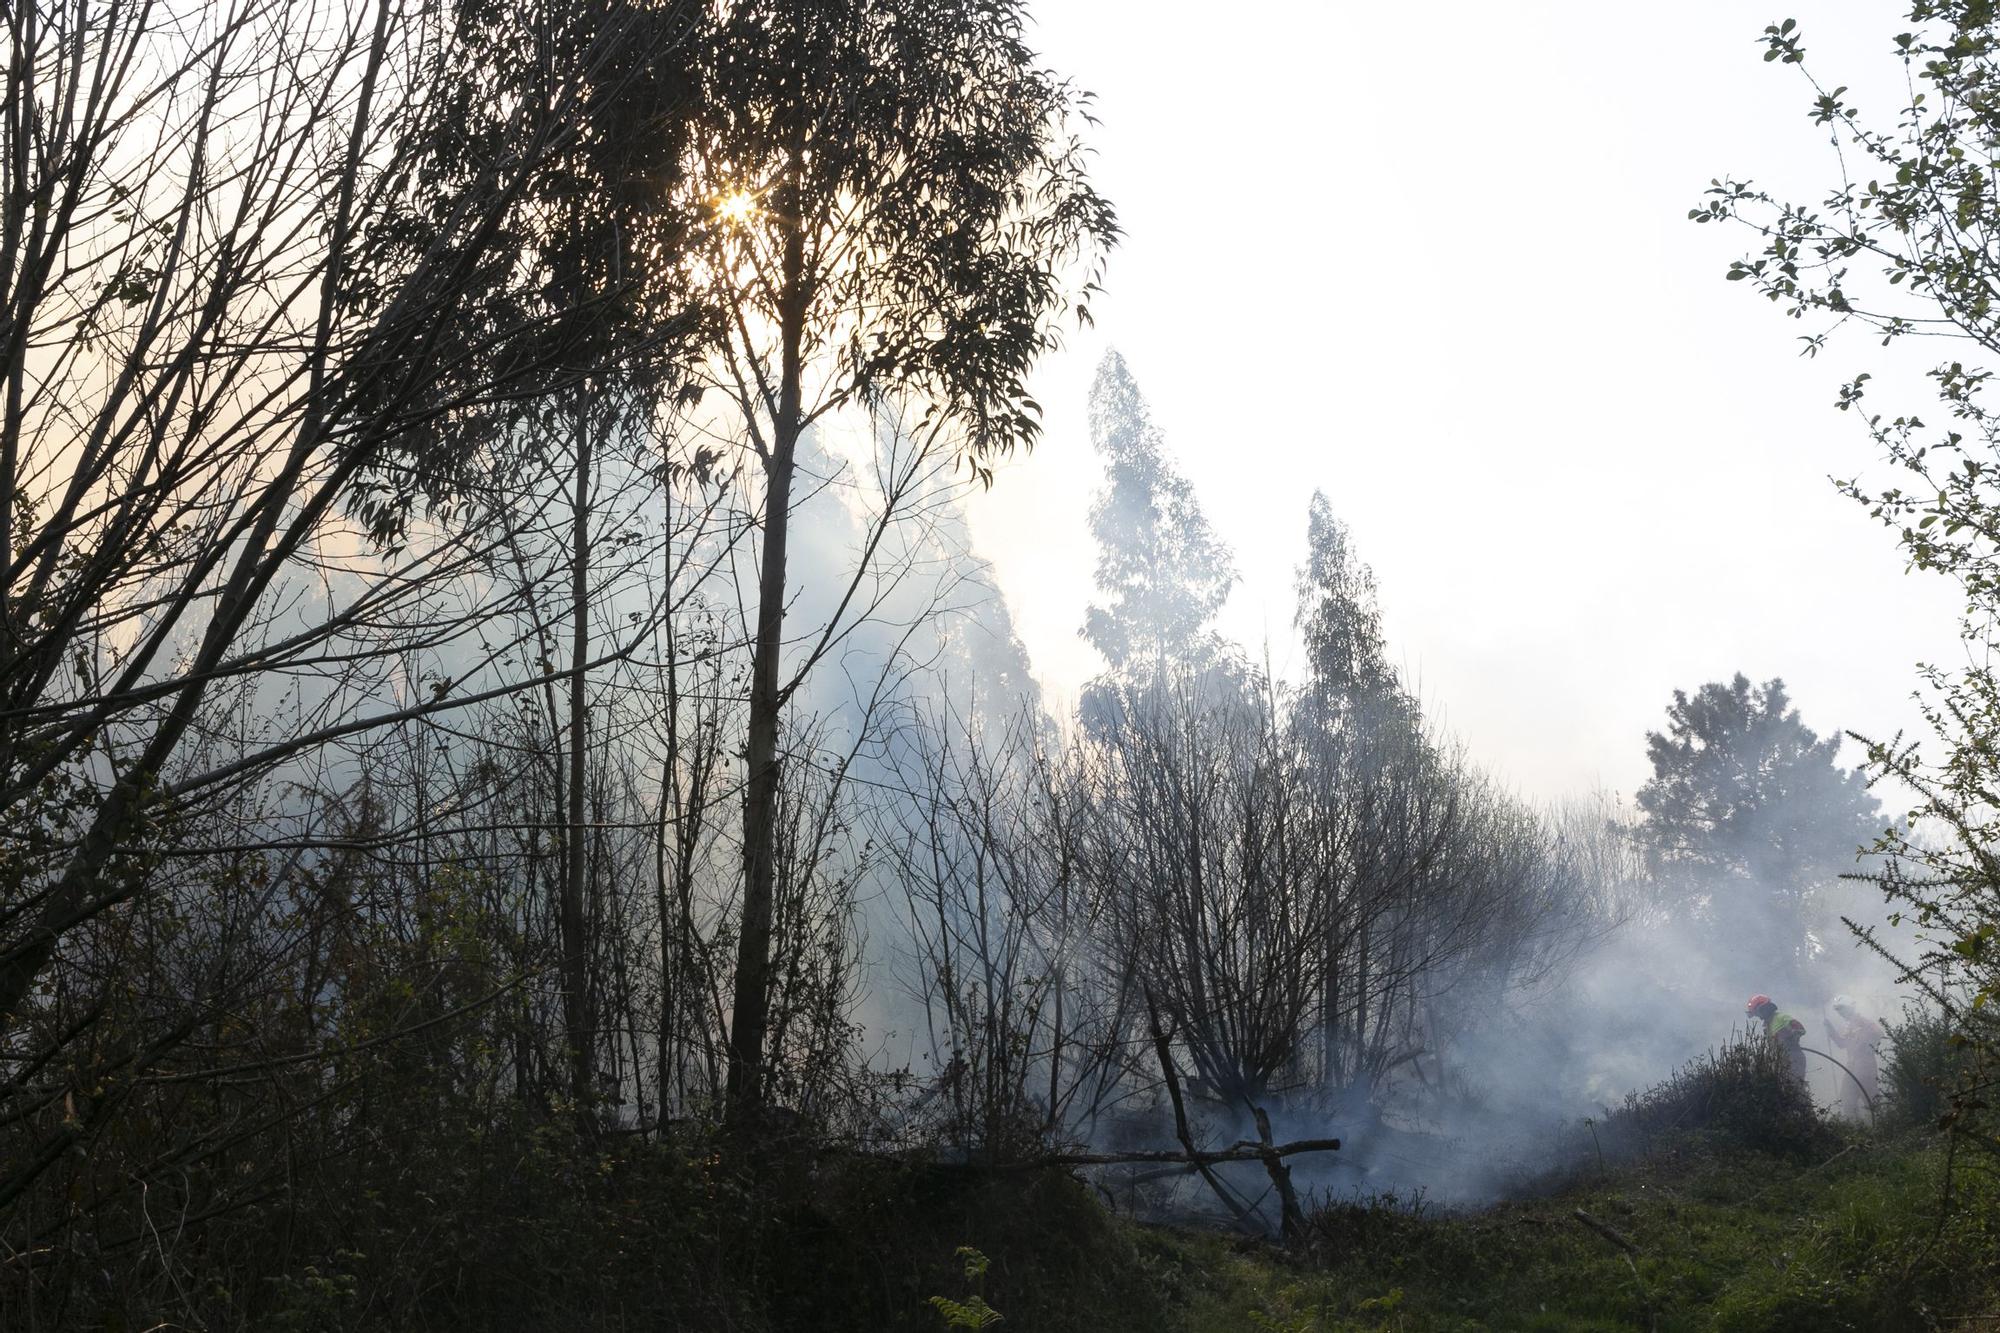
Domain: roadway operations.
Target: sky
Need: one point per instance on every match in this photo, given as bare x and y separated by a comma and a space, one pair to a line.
1443, 272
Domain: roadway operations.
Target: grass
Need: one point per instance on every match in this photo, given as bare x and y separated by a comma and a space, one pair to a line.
1720, 1239
1718, 1199
1729, 1205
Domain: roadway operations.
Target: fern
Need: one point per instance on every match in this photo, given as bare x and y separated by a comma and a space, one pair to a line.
973, 1312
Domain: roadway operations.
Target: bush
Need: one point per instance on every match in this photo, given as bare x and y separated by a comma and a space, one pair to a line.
1740, 1096
1920, 1066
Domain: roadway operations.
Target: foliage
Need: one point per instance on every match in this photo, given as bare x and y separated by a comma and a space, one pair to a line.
316, 294
1746, 811
1921, 1066
1340, 620
510, 1227
1900, 245
1734, 1206
1289, 1314
973, 1311
514, 1227
913, 194
1162, 573
1743, 789
898, 215
1721, 1240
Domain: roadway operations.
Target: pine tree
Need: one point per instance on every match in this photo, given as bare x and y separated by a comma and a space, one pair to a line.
1746, 814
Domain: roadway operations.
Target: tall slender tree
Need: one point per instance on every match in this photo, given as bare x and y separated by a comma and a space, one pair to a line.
1162, 572
896, 204
1340, 620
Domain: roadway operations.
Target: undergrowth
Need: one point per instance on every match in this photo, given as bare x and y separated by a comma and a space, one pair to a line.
1716, 1200
1737, 1096
1718, 1239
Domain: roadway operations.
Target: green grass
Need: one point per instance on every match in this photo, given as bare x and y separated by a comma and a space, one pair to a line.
1722, 1239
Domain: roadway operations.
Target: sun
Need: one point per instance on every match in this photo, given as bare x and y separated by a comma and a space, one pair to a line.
737, 207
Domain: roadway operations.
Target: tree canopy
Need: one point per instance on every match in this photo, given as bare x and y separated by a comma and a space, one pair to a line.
1745, 798
1162, 572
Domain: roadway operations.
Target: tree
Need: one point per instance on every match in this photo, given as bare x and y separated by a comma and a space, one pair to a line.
261, 264
1211, 904
1378, 798
1747, 813
1901, 245
1162, 572
895, 199
1340, 619
202, 386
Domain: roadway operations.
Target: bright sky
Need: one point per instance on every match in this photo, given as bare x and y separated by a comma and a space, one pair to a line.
1442, 270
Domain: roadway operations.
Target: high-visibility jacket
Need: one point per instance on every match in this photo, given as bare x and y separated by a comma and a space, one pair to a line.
1784, 1032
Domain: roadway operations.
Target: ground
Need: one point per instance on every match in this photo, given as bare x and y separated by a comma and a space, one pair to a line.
1699, 1230
1718, 1240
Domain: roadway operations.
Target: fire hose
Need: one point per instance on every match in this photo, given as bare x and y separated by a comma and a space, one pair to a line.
1845, 1070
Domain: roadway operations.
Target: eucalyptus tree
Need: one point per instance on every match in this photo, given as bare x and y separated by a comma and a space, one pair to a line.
1378, 803
897, 210
1162, 572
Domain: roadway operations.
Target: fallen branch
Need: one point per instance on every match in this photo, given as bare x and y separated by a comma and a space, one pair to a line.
1239, 1152
1630, 1251
1605, 1231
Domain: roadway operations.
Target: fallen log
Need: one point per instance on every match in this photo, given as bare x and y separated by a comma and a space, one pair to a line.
1240, 1152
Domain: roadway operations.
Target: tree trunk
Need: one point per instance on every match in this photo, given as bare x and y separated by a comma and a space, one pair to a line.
750, 1010
665, 1043
577, 1017
1292, 1221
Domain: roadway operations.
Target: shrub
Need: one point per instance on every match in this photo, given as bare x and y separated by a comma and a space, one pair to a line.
1920, 1066
1740, 1095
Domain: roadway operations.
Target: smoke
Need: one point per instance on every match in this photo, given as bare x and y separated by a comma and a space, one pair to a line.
1502, 1064
1726, 878
1493, 1067
1523, 1090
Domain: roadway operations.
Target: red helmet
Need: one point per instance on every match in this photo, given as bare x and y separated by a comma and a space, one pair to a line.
1757, 1002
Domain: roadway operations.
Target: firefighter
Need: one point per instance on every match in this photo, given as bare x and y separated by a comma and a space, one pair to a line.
1784, 1031
1856, 1035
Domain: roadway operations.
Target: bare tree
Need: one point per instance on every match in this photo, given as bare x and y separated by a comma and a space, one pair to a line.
256, 255
1189, 811
1025, 1033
